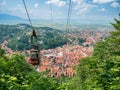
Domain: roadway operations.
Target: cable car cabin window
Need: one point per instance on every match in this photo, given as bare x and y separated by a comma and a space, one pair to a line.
34, 55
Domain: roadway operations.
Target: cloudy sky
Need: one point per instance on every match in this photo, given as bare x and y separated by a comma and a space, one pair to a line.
81, 9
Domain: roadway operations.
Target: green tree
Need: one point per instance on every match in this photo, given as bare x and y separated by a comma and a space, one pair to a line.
2, 52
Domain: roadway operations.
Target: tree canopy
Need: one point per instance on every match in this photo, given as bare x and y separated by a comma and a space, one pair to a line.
17, 74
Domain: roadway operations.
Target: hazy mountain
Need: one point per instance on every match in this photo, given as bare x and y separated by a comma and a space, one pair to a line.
7, 17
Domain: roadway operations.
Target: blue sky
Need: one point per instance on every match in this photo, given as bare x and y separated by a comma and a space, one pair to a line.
81, 9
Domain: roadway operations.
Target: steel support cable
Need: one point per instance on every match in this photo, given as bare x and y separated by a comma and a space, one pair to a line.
69, 16
70, 13
51, 9
67, 29
28, 14
33, 32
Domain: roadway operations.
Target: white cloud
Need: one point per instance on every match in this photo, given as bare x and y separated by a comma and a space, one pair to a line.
82, 6
77, 0
59, 3
16, 9
115, 4
102, 9
82, 10
102, 1
74, 0
3, 3
36, 5
19, 5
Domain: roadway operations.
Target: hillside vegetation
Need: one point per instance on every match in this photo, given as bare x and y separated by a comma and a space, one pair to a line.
19, 36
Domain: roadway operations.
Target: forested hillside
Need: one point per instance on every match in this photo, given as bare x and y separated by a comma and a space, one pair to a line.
19, 36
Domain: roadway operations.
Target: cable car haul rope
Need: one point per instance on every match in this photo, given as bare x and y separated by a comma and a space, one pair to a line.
34, 52
69, 16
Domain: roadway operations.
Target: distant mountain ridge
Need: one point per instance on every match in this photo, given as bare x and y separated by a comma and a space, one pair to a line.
6, 17
11, 19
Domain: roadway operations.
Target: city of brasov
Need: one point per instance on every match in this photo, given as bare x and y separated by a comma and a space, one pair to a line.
59, 45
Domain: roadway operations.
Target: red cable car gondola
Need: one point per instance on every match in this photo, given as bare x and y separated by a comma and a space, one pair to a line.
34, 52
34, 57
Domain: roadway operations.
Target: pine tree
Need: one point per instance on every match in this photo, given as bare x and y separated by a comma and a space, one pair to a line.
2, 52
114, 40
